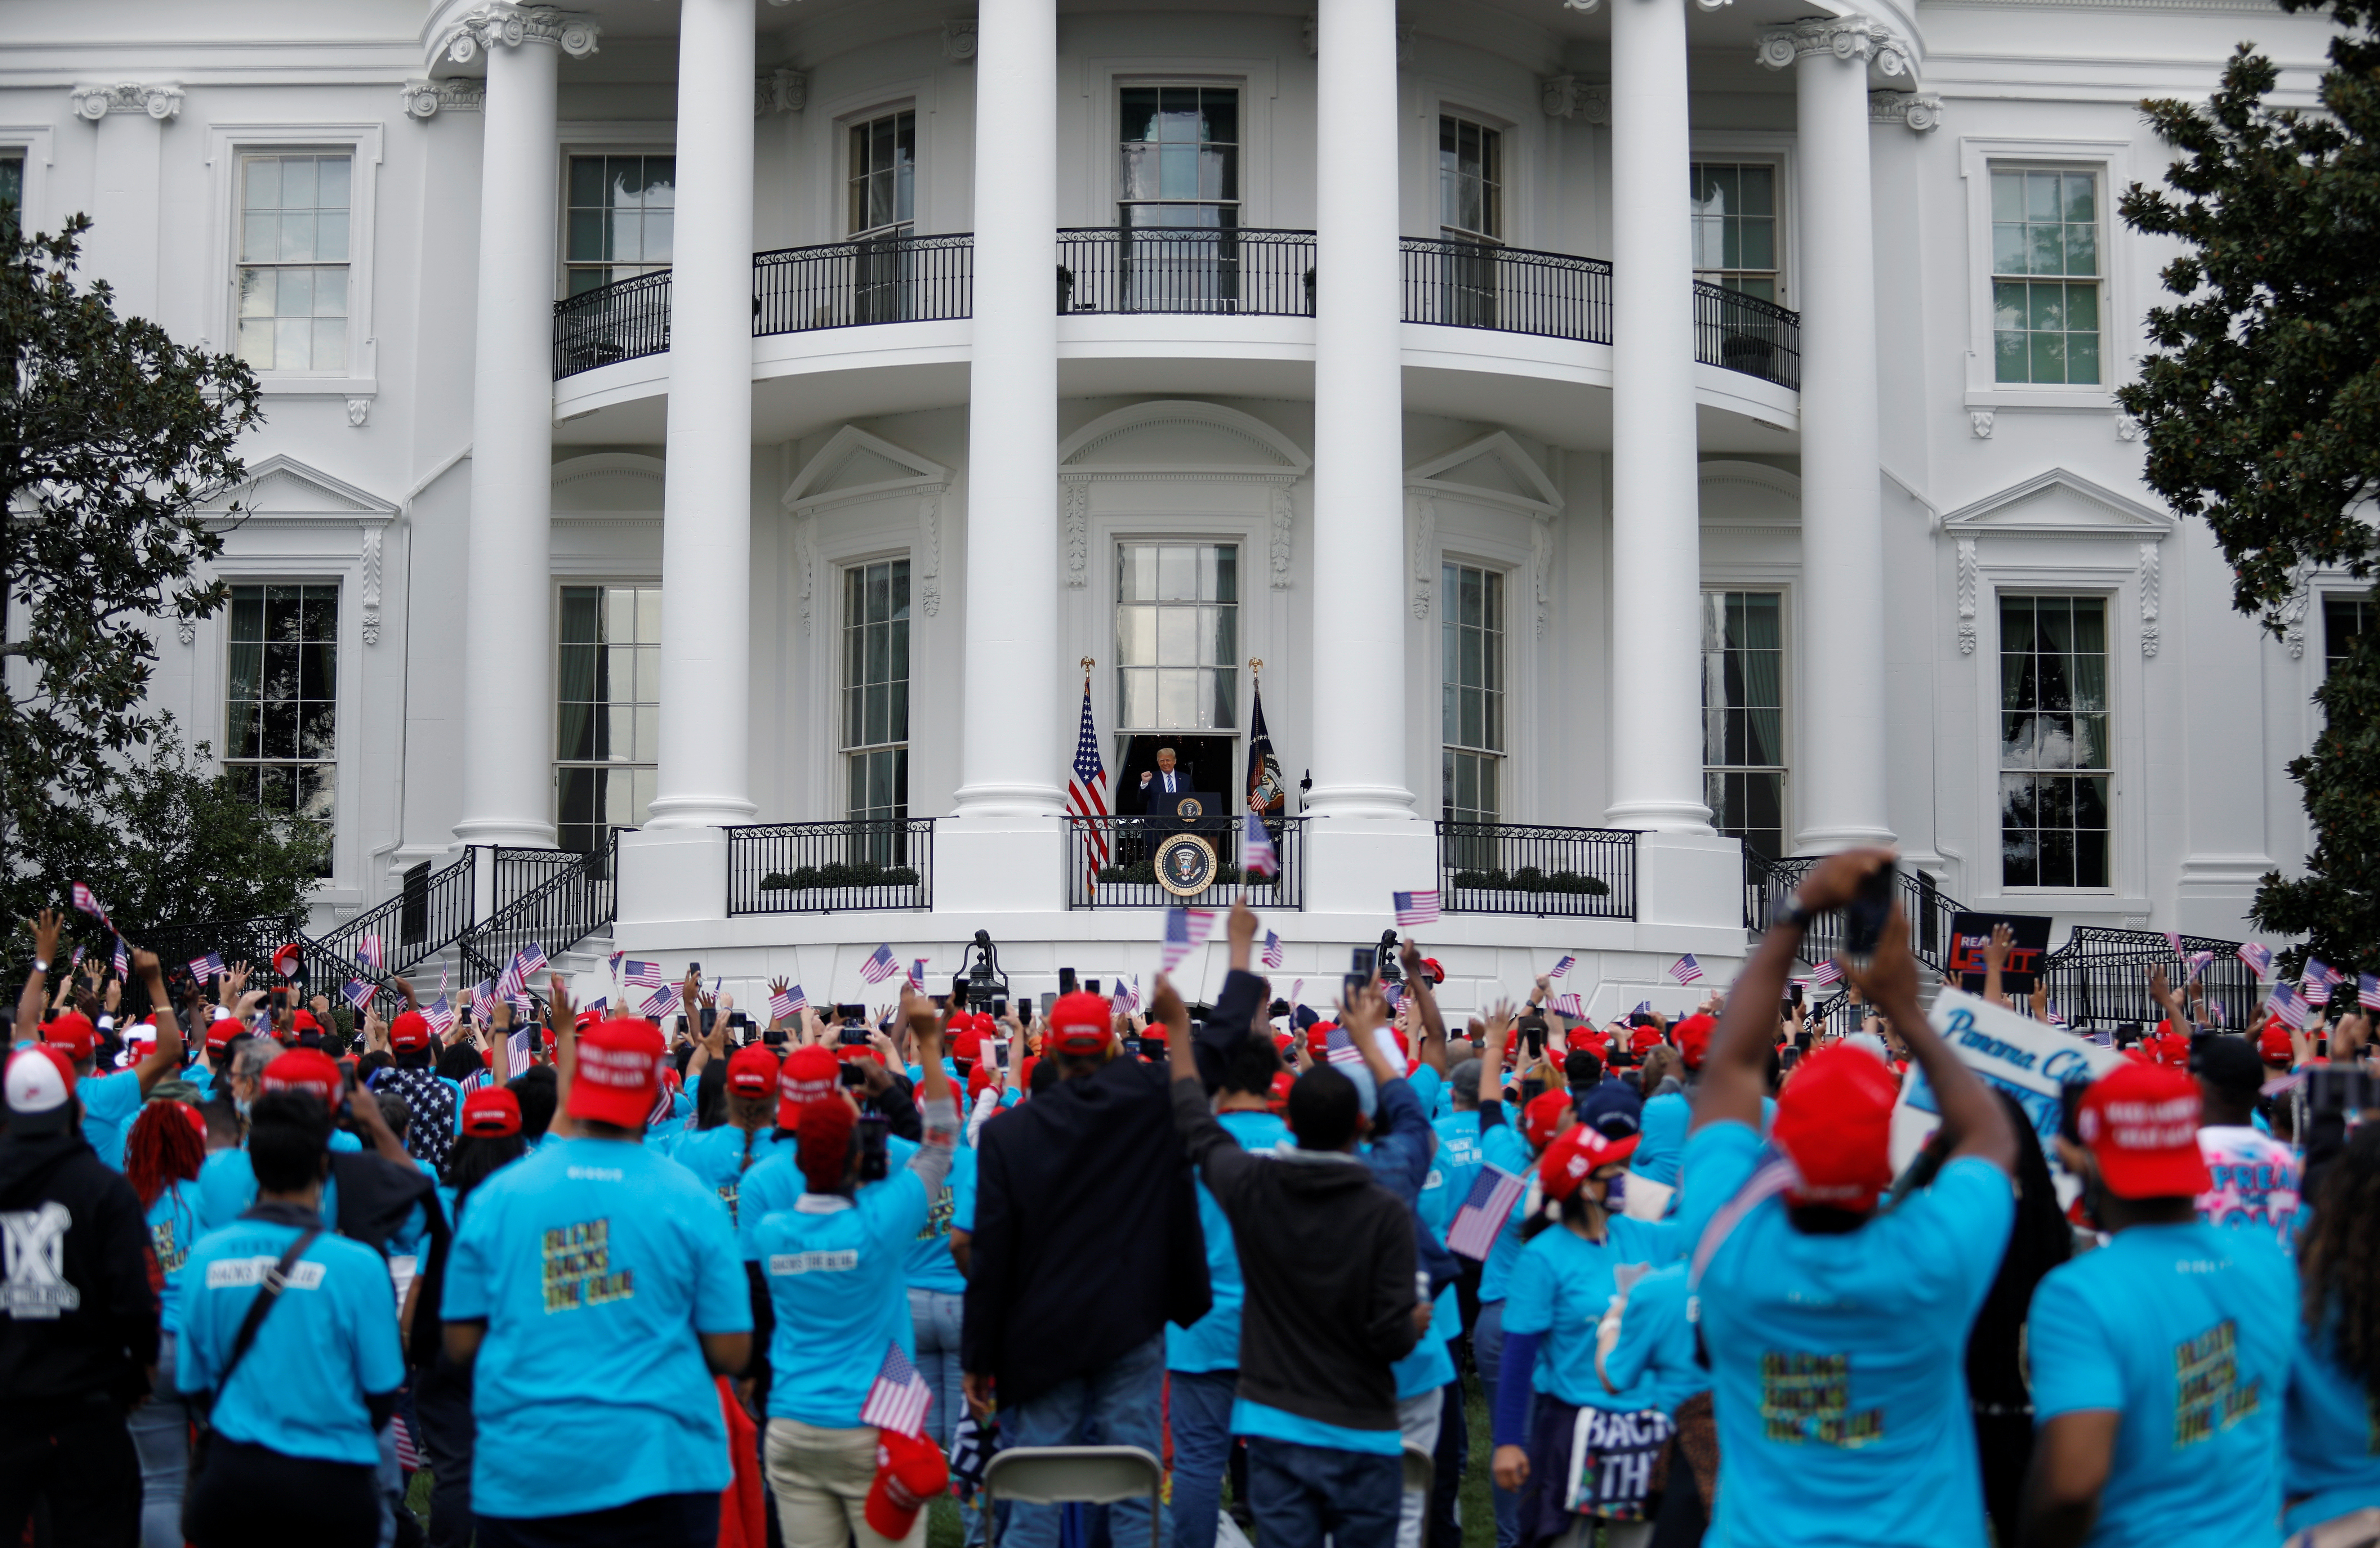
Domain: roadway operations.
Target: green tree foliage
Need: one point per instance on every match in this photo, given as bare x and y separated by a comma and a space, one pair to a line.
2260, 404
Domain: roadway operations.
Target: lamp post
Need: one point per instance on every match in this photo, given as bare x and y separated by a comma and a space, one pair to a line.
981, 965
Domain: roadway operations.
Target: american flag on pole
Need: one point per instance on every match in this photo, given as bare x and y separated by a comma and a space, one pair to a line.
1571, 1006
1185, 929
1087, 792
359, 994
880, 965
917, 976
2173, 939
1685, 970
370, 953
440, 1015
88, 900
1562, 969
1272, 955
2258, 957
617, 957
1481, 1216
898, 1398
1827, 974
2367, 990
2317, 981
123, 957
660, 1002
1257, 857
785, 1004
641, 976
597, 1006
520, 1048
1339, 1048
1120, 1001
2199, 962
205, 969
2290, 1006
1414, 908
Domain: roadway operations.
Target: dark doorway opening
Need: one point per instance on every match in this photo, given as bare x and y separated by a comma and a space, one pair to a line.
1212, 763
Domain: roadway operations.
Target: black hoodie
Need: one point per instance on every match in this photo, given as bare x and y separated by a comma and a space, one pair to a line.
78, 1311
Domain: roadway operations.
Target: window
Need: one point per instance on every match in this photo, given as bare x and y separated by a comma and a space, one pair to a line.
884, 175
608, 734
2345, 615
1743, 717
1470, 181
1181, 157
2045, 276
876, 698
2054, 752
282, 697
620, 218
1472, 692
293, 260
1177, 637
12, 189
1735, 226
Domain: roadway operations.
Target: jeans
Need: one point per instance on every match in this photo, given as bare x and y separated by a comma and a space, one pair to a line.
1452, 1458
1417, 1421
935, 1316
1123, 1402
442, 1407
1488, 1352
1201, 1412
75, 1453
160, 1436
1305, 1493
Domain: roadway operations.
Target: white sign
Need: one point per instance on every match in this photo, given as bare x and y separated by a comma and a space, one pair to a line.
2031, 1060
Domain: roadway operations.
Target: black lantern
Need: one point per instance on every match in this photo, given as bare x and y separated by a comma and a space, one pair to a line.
986, 982
1389, 972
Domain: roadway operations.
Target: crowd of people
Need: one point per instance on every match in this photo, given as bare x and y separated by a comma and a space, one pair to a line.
721, 1282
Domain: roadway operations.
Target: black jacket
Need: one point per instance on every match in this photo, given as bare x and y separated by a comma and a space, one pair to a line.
1087, 1239
1327, 1254
78, 1313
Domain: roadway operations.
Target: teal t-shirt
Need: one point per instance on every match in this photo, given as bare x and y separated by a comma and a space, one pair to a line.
173, 1223
1562, 1289
927, 1264
1452, 1170
109, 1104
1266, 1423
227, 1184
719, 1158
1212, 1343
1655, 1346
2332, 1430
835, 1267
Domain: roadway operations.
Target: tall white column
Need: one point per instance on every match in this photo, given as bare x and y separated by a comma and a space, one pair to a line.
1015, 741
1359, 632
1656, 749
705, 779
508, 607
1840, 778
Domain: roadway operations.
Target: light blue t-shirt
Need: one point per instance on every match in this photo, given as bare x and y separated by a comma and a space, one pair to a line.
227, 1184
1840, 1360
1656, 1342
331, 1340
1212, 1343
2331, 1432
110, 1103
1501, 1146
927, 1264
775, 1183
1429, 1366
173, 1231
1268, 1423
594, 1265
2189, 1331
834, 1268
1452, 1170
1560, 1289
1662, 1138
717, 1158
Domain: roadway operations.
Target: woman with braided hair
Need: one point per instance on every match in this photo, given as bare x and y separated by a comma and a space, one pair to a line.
2331, 1469
161, 1156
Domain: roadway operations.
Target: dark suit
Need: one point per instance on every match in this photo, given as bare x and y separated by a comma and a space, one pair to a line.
1155, 796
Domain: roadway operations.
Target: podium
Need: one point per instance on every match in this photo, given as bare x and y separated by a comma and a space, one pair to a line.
1185, 836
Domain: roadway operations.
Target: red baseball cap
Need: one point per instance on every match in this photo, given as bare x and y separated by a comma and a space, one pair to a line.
809, 1074
221, 1030
619, 1072
491, 1112
1574, 1157
1546, 1114
409, 1030
1080, 1024
1430, 970
303, 1020
1277, 1100
909, 1471
753, 1070
2273, 1045
72, 1031
1643, 1038
305, 1069
1694, 1039
1318, 1038
2141, 1124
1834, 1119
978, 1081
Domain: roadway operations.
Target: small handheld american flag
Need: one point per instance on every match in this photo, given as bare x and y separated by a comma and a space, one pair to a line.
88, 900
123, 957
2317, 981
1643, 1008
640, 975
660, 1002
880, 965
597, 1006
1339, 1048
205, 969
2367, 990
440, 1015
1563, 967
2199, 962
898, 1398
1185, 929
1685, 970
1827, 974
2259, 957
1571, 1006
785, 1004
2290, 1006
1272, 954
614, 961
2173, 939
521, 1047
1257, 856
370, 953
1482, 1215
1414, 908
917, 975
359, 994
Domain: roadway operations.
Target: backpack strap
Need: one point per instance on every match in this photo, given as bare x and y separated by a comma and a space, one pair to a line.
276, 1278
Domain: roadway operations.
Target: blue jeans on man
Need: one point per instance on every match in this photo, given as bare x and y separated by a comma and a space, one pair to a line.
1303, 1494
1200, 1408
1487, 1353
1123, 1404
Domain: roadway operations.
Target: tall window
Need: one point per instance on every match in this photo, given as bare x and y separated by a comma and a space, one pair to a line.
608, 741
1743, 717
1470, 181
2045, 276
1472, 692
1735, 226
2345, 615
12, 189
622, 211
293, 261
281, 741
2055, 760
876, 689
1178, 636
1180, 156
884, 175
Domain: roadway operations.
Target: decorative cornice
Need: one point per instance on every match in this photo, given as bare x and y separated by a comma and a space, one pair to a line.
158, 100
1845, 37
498, 24
1566, 96
427, 99
959, 41
780, 91
1918, 110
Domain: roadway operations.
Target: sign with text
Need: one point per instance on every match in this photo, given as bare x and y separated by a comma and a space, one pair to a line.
2029, 943
2031, 1060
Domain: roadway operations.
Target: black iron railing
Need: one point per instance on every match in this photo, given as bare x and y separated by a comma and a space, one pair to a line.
2100, 977
577, 896
1505, 867
1112, 863
1242, 271
831, 867
1767, 882
627, 320
874, 279
1512, 290
1745, 333
253, 941
431, 909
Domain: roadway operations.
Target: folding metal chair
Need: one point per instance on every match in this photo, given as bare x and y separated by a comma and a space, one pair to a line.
1078, 1475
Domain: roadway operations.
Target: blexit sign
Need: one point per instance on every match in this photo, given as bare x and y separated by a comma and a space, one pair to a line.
2028, 944
2029, 1060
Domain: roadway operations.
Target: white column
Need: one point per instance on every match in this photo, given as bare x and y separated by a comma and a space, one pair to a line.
1840, 781
1015, 741
1657, 747
705, 780
1359, 615
508, 593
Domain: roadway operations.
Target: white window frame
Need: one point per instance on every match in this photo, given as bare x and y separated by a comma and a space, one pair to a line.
554, 760
844, 126
830, 154
1771, 579
1736, 148
840, 600
226, 143
2119, 761
1522, 128
1243, 608
33, 142
2110, 159
1513, 585
1257, 80
596, 139
1506, 142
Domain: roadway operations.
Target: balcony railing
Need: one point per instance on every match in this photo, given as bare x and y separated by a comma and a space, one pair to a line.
831, 867
1504, 867
1742, 332
564, 897
2100, 977
627, 320
1510, 290
1112, 864
1767, 882
850, 285
1239, 272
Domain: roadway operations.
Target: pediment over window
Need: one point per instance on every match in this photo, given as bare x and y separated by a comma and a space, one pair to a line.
282, 486
1494, 466
1179, 436
2059, 503
854, 465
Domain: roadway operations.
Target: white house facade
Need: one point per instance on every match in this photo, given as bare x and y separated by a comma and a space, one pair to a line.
713, 447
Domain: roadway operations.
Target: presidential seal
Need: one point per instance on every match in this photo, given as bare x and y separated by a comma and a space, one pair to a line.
1185, 865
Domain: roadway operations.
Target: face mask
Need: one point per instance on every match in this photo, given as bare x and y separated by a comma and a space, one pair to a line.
241, 1104
1615, 1193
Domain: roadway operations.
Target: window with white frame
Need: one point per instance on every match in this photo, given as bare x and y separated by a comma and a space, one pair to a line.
1179, 156
622, 218
294, 259
12, 188
2046, 277
1743, 716
1177, 637
882, 176
876, 696
2054, 761
1470, 180
1734, 206
1472, 693
2346, 615
607, 721
281, 693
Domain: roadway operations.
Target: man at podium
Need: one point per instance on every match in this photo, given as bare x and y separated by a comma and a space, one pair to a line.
1159, 788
